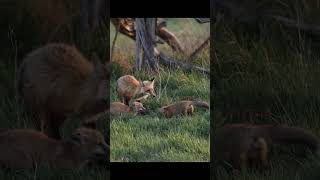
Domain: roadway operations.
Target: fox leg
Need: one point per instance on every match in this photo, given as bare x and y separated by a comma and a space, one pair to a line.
52, 126
189, 110
127, 100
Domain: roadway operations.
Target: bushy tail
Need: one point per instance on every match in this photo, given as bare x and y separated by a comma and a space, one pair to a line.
201, 104
294, 135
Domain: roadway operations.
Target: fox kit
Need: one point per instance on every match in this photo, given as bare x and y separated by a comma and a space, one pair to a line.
241, 145
116, 108
56, 81
26, 148
129, 87
182, 108
135, 107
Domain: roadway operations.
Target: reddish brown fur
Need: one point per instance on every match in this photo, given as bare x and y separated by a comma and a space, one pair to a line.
182, 108
56, 81
116, 108
129, 87
26, 148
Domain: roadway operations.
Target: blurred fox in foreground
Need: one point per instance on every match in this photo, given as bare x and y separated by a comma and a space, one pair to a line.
242, 145
56, 80
26, 148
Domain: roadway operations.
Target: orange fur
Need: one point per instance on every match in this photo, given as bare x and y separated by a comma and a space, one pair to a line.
129, 87
182, 108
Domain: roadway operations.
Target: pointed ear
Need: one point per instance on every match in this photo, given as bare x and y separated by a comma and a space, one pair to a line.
152, 79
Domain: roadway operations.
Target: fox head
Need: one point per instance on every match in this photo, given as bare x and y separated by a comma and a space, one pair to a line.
147, 87
138, 107
91, 142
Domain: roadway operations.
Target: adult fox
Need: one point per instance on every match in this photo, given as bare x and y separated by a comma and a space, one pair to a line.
129, 87
56, 81
26, 148
241, 145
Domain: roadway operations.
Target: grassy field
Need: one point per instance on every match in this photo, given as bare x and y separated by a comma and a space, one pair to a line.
269, 75
153, 137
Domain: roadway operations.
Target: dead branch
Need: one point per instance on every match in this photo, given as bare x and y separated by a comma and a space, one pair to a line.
127, 28
202, 20
172, 64
169, 38
202, 46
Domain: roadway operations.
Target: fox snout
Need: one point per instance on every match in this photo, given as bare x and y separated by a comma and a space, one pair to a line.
153, 94
142, 111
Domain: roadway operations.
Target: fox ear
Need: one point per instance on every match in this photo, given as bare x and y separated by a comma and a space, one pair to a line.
152, 79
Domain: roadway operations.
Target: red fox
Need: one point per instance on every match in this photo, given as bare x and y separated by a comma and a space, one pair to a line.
135, 107
182, 108
26, 148
241, 145
129, 87
116, 108
56, 81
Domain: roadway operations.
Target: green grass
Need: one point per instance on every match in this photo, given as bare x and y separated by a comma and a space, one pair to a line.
272, 71
155, 138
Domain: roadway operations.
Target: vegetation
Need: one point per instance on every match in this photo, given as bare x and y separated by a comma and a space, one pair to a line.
267, 73
153, 137
25, 26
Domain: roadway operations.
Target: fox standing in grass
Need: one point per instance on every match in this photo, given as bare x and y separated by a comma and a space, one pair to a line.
129, 87
241, 145
26, 148
56, 80
182, 108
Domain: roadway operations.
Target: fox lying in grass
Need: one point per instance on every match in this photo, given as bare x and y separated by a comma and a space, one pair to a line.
135, 107
129, 87
117, 108
57, 81
26, 148
182, 108
241, 145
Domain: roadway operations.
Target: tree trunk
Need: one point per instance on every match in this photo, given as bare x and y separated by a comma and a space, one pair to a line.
93, 16
145, 43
